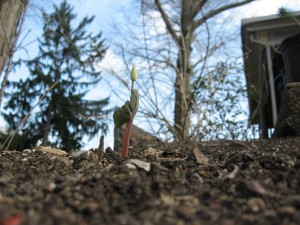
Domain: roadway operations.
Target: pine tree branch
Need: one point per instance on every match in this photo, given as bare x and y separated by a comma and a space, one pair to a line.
11, 137
213, 13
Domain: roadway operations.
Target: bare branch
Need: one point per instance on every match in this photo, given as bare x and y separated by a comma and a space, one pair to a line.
167, 21
197, 7
213, 13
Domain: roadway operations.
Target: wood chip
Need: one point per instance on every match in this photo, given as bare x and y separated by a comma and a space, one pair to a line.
51, 150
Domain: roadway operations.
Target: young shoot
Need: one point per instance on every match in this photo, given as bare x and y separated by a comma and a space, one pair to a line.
126, 113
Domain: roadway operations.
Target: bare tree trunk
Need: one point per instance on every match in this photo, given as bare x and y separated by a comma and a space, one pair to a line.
10, 17
183, 89
184, 70
189, 22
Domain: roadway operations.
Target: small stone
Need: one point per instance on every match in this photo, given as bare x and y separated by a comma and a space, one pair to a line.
151, 151
66, 161
84, 155
27, 151
91, 207
270, 214
130, 166
256, 204
140, 164
51, 186
167, 199
293, 200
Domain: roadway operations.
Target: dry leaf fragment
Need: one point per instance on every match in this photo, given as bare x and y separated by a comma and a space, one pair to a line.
202, 159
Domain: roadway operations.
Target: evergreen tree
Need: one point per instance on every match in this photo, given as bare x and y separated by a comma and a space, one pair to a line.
67, 55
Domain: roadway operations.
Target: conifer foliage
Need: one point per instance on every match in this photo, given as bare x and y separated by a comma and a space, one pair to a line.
68, 55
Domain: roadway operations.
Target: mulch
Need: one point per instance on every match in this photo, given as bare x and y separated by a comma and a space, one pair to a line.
218, 182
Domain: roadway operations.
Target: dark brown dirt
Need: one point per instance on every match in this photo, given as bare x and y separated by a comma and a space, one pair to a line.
222, 182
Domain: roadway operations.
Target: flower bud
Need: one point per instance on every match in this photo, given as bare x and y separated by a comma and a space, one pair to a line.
133, 73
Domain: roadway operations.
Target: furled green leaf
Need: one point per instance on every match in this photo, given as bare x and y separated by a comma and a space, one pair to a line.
134, 101
128, 110
133, 74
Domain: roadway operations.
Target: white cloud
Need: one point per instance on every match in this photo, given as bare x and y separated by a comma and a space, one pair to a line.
268, 7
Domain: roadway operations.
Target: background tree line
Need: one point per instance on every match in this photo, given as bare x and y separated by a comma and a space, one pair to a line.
68, 56
188, 91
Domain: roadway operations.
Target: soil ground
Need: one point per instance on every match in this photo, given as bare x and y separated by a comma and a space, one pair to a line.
220, 182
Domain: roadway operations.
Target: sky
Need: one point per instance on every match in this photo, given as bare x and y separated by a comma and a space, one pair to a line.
108, 13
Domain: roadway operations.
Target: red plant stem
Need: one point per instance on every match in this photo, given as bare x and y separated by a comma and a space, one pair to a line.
126, 139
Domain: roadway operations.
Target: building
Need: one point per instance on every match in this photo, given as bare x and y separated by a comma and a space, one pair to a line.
271, 48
